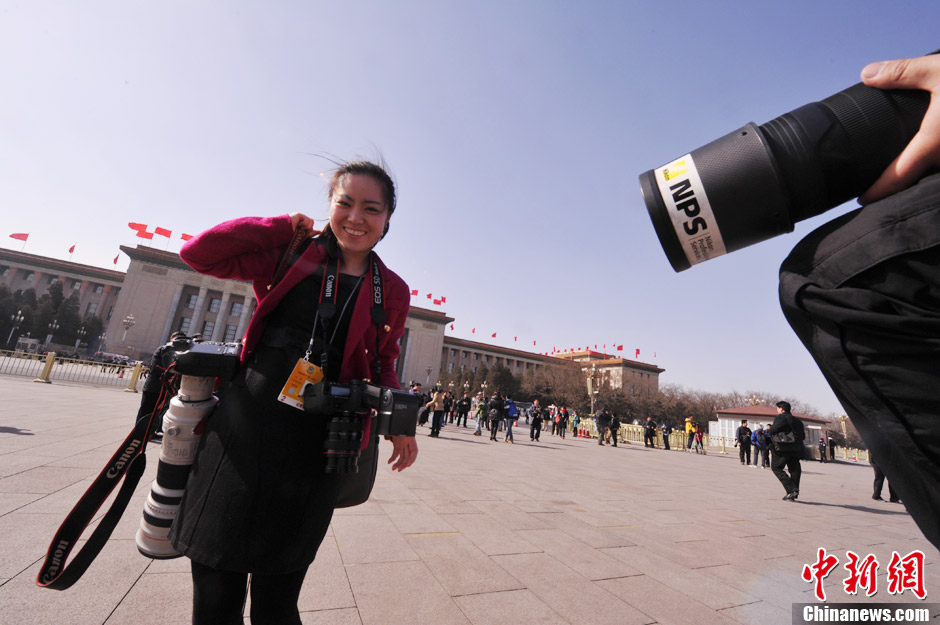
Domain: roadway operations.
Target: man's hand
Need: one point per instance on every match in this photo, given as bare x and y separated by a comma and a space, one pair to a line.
923, 152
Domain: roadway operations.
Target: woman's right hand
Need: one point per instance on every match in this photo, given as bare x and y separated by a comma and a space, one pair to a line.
302, 222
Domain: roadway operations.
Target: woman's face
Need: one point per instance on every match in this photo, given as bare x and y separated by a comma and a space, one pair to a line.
358, 213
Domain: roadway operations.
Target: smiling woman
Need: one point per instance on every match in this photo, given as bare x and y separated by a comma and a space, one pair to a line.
260, 497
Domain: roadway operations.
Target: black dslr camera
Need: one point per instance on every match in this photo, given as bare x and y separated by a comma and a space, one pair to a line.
344, 405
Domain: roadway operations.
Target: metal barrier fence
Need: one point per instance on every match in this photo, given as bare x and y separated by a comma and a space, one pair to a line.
48, 368
678, 440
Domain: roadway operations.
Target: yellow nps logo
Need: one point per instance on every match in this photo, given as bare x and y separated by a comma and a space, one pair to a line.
674, 170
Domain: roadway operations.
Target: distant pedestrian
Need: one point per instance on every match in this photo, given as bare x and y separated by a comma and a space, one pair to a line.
511, 412
822, 448
603, 425
463, 409
562, 421
495, 408
743, 442
615, 428
666, 427
535, 420
690, 431
787, 434
649, 433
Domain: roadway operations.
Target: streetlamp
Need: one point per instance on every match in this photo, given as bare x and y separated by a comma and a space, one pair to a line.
80, 334
592, 386
52, 328
16, 320
128, 322
466, 387
101, 339
427, 380
483, 386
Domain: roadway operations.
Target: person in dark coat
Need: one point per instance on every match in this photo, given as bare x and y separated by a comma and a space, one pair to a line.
258, 500
743, 442
787, 455
862, 293
649, 433
603, 425
615, 428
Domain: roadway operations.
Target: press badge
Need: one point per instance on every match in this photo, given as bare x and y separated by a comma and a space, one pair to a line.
304, 373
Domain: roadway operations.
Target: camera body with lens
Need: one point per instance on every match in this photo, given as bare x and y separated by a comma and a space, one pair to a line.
345, 404
758, 181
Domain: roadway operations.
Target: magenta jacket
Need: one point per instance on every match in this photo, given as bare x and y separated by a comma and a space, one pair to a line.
251, 248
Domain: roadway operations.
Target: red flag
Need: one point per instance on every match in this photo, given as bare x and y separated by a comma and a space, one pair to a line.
515, 339
163, 232
533, 342
473, 331
437, 302
143, 234
115, 259
71, 249
443, 299
637, 352
20, 236
451, 326
414, 291
186, 237
138, 227
494, 335
429, 296
620, 348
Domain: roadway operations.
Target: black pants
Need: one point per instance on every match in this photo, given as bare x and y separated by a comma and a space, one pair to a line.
792, 463
219, 597
744, 453
649, 439
863, 294
462, 415
665, 441
535, 429
879, 483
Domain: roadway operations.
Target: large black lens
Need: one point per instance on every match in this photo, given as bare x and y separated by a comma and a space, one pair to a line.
758, 181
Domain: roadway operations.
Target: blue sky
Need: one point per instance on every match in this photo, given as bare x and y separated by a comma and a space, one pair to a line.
515, 130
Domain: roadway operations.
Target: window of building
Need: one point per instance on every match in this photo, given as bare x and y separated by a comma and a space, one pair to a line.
476, 357
207, 329
117, 291
98, 289
229, 334
110, 312
4, 271
76, 285
474, 369
450, 367
191, 301
464, 354
52, 280
92, 308
463, 368
184, 324
214, 305
453, 352
486, 359
236, 309
29, 276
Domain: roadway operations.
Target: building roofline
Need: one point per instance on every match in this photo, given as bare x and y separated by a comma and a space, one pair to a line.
45, 262
452, 341
764, 412
426, 314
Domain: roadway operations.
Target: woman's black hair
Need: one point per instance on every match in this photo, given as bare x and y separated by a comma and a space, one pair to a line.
366, 168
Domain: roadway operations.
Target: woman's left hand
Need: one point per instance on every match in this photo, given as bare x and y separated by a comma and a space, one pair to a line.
404, 450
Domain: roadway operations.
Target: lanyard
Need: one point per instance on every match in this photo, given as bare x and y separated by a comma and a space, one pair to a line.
326, 307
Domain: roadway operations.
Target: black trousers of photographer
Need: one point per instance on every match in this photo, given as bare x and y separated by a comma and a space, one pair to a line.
862, 293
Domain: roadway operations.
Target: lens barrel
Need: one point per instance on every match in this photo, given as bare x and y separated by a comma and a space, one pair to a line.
343, 443
758, 181
180, 441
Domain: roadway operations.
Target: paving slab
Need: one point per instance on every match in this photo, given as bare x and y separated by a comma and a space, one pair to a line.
554, 531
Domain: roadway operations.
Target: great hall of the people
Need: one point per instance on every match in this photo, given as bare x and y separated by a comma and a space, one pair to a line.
159, 294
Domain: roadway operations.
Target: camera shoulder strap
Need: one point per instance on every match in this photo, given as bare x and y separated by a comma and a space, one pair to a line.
128, 462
